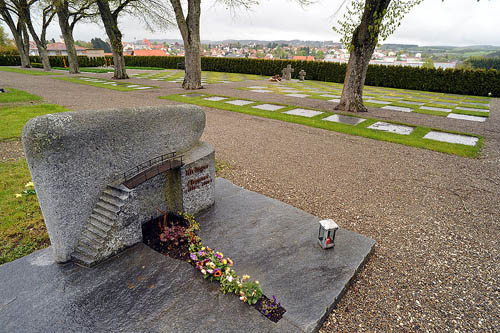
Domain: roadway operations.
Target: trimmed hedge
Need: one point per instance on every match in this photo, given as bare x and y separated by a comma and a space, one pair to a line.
484, 62
477, 82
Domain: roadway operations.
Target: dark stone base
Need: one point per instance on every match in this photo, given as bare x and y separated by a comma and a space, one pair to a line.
143, 291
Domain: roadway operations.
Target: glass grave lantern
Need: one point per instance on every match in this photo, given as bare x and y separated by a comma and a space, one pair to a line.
327, 230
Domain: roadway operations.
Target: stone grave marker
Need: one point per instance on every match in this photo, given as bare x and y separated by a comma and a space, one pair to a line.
287, 72
302, 75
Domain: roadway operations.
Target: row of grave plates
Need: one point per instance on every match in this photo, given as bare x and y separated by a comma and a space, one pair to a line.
116, 84
292, 92
378, 126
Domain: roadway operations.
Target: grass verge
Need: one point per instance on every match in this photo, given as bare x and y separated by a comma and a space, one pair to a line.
14, 96
415, 139
26, 71
22, 230
12, 119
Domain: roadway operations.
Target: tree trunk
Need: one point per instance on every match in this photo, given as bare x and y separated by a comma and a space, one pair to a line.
40, 42
110, 22
190, 31
17, 33
192, 61
364, 41
67, 32
26, 44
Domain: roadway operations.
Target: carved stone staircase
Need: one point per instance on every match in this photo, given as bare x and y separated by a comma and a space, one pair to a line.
101, 221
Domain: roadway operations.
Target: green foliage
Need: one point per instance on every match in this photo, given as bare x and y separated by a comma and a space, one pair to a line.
384, 23
250, 292
483, 63
98, 43
428, 63
3, 37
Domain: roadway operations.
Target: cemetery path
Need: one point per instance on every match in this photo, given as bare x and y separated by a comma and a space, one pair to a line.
434, 216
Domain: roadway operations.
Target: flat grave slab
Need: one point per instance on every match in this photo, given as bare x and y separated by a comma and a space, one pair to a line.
239, 102
476, 103
445, 103
451, 138
215, 98
472, 109
261, 91
374, 101
141, 290
334, 100
257, 87
411, 102
193, 95
303, 112
268, 107
466, 117
392, 128
298, 95
432, 108
397, 108
338, 118
330, 96
391, 97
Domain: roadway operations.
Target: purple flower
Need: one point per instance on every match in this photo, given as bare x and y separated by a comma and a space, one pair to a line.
193, 256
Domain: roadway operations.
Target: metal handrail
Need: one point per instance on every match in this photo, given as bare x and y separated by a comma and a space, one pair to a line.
156, 161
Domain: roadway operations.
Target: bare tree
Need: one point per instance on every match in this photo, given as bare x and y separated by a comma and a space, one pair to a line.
70, 12
15, 22
365, 24
153, 13
24, 9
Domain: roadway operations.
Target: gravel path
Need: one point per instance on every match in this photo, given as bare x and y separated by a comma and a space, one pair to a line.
436, 217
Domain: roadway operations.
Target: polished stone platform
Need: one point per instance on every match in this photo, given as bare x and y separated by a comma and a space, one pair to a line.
141, 290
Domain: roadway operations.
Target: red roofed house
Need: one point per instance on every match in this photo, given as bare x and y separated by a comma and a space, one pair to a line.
148, 53
56, 49
304, 58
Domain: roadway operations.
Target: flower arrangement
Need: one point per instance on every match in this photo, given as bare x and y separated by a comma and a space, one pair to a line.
214, 266
267, 306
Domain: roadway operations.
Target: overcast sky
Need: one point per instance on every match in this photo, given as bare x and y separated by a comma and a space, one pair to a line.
434, 22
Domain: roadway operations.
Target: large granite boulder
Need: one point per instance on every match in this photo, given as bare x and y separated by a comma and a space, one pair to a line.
77, 159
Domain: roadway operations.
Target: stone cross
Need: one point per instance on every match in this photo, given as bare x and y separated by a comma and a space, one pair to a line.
287, 72
302, 75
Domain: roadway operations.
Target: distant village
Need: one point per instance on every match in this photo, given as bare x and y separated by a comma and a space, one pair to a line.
272, 50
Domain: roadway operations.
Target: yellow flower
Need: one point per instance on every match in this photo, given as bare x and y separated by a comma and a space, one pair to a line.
18, 195
257, 282
203, 248
29, 184
224, 261
245, 277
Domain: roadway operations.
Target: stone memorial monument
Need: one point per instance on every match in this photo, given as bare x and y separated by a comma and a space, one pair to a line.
287, 72
99, 175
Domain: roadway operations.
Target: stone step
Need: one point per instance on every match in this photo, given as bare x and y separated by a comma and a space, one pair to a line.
89, 243
105, 212
92, 237
112, 200
82, 258
96, 231
98, 224
104, 205
103, 219
116, 192
86, 250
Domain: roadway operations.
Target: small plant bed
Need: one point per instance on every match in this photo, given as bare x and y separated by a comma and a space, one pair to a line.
176, 236
108, 84
461, 144
12, 95
436, 104
26, 71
